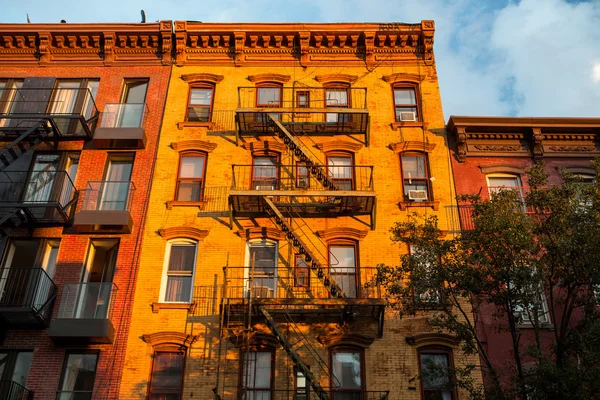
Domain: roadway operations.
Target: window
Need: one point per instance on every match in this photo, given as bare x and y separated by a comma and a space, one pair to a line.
70, 97
301, 272
115, 190
190, 185
342, 267
425, 296
14, 370
347, 373
9, 98
200, 104
525, 312
406, 103
178, 277
498, 182
261, 273
166, 379
341, 171
301, 387
302, 99
268, 96
78, 376
337, 97
302, 176
436, 380
415, 177
265, 173
257, 375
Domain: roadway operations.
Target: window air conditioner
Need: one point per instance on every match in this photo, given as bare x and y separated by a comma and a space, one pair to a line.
408, 116
263, 292
417, 195
265, 187
302, 183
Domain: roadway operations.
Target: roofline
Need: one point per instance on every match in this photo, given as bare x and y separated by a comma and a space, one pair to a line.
531, 122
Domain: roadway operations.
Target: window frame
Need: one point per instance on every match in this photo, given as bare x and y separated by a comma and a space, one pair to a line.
242, 390
337, 86
189, 99
297, 269
348, 349
428, 305
415, 88
265, 242
64, 365
353, 244
165, 273
302, 93
302, 176
269, 85
6, 95
437, 350
277, 166
352, 166
427, 178
202, 179
11, 360
167, 349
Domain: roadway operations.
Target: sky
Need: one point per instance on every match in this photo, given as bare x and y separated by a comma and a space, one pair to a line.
494, 57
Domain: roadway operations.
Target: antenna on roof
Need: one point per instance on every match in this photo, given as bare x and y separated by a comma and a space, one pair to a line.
143, 17
28, 20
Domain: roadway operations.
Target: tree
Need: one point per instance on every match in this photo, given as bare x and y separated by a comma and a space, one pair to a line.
523, 252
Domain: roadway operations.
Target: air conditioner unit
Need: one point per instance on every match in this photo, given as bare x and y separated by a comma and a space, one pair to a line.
263, 292
408, 116
302, 183
264, 187
417, 195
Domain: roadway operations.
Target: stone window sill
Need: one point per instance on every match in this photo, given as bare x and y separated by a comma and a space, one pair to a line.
548, 326
433, 204
156, 307
175, 203
408, 124
186, 124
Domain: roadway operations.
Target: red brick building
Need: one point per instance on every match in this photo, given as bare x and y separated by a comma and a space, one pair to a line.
80, 112
492, 152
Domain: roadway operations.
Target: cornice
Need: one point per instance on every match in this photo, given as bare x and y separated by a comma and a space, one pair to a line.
330, 78
182, 232
260, 78
399, 147
85, 44
202, 77
342, 233
261, 232
427, 339
346, 340
339, 145
265, 147
200, 145
402, 77
501, 168
169, 338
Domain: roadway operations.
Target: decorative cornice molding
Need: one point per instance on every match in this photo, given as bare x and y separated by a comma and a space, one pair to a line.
200, 145
255, 341
183, 232
346, 340
339, 145
412, 146
426, 339
158, 339
330, 78
260, 78
501, 168
578, 169
265, 147
402, 77
260, 232
202, 77
342, 233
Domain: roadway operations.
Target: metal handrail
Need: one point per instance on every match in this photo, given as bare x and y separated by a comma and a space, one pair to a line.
356, 98
26, 287
11, 390
87, 300
36, 187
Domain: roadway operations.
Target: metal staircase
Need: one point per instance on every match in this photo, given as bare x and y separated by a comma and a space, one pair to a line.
13, 219
25, 142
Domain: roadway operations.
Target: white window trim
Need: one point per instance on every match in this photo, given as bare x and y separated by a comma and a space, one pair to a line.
165, 276
502, 175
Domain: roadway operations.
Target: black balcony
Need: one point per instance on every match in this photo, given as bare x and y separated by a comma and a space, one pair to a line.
43, 198
106, 207
122, 126
84, 314
310, 394
304, 110
26, 297
11, 390
68, 114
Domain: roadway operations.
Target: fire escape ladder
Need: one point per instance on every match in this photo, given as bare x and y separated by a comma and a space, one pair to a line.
319, 391
27, 141
13, 219
309, 257
302, 153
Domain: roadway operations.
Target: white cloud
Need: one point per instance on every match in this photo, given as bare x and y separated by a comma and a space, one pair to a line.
596, 72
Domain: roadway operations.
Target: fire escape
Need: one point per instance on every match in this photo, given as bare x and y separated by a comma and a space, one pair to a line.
34, 113
287, 193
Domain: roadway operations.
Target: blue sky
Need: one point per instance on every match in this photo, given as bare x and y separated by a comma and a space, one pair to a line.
494, 57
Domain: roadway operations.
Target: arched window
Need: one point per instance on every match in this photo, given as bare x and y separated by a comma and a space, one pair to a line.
435, 367
178, 271
190, 181
415, 176
200, 102
406, 102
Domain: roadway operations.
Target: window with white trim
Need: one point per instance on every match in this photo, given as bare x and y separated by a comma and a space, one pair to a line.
178, 271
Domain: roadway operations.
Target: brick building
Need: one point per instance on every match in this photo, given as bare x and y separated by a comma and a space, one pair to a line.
489, 153
287, 152
80, 113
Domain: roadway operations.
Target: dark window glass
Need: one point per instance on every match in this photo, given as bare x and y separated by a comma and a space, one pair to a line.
79, 373
347, 374
342, 260
257, 375
167, 376
180, 272
435, 376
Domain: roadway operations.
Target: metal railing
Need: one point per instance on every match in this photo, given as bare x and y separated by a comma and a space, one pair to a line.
214, 199
87, 300
303, 97
298, 283
72, 110
74, 395
108, 195
299, 177
124, 115
309, 394
11, 390
26, 288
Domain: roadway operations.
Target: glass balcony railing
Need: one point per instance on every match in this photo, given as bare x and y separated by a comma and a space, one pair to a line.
108, 196
87, 300
124, 115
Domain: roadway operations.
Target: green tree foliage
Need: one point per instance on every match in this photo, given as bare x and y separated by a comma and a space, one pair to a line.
525, 249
